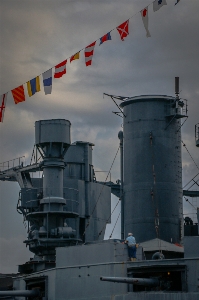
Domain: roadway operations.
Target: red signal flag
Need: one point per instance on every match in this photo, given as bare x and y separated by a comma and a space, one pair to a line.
123, 30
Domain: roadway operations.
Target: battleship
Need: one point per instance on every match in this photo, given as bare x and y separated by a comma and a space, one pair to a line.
67, 210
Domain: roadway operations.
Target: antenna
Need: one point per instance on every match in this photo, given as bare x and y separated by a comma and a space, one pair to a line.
177, 87
121, 98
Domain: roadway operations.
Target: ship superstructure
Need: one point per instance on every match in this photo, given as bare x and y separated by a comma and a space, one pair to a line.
67, 211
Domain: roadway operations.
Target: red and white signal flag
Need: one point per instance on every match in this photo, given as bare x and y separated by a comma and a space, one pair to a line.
89, 51
3, 106
123, 30
145, 19
60, 69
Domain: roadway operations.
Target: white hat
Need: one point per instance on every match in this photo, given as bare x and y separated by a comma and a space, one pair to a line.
130, 234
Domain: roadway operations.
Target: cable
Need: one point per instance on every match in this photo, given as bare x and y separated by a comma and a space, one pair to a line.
190, 203
195, 182
182, 124
190, 181
108, 219
115, 225
101, 189
190, 154
105, 181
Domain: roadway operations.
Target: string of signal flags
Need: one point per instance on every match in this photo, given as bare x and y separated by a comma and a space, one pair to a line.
33, 85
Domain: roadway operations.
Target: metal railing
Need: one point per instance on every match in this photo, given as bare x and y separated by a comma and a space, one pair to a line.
181, 109
19, 161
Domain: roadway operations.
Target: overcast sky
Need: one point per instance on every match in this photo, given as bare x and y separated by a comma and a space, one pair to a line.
37, 35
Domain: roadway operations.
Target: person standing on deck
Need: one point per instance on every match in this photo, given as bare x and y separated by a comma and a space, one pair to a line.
131, 242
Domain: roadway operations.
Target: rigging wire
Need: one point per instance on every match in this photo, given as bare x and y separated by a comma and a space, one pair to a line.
190, 181
190, 203
182, 124
105, 181
114, 225
190, 154
101, 190
108, 219
194, 182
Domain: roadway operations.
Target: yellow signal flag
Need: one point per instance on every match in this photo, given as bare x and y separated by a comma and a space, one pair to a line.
33, 86
75, 56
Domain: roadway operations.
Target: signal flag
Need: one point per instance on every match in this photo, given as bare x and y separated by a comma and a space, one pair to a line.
75, 56
33, 86
123, 30
47, 81
18, 94
60, 69
89, 51
104, 38
145, 19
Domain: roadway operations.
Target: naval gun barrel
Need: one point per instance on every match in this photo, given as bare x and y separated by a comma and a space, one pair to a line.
21, 293
136, 281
